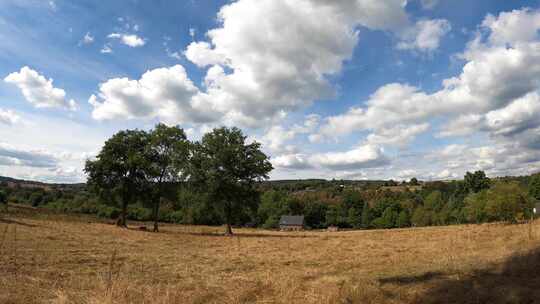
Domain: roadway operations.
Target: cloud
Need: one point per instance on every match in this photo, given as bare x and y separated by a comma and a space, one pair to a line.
277, 137
87, 39
366, 156
425, 36
13, 156
390, 110
106, 49
8, 117
429, 4
131, 40
39, 91
291, 161
496, 159
262, 76
495, 93
362, 157
512, 27
165, 93
400, 135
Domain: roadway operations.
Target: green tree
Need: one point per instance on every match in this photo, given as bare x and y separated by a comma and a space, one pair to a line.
534, 187
120, 168
168, 151
421, 217
228, 167
403, 219
414, 182
507, 202
475, 207
315, 214
366, 217
333, 215
354, 217
476, 182
388, 218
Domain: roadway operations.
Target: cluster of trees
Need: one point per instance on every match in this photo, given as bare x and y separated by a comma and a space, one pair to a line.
159, 175
137, 166
475, 199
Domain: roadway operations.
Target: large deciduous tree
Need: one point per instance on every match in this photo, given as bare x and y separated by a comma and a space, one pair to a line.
120, 168
228, 168
168, 152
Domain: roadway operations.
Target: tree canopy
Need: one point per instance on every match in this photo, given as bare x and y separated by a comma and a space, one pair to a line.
120, 168
227, 167
476, 182
167, 156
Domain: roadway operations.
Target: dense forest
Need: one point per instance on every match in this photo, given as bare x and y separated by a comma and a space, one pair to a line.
347, 204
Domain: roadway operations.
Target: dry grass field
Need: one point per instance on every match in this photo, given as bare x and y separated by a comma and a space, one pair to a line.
47, 258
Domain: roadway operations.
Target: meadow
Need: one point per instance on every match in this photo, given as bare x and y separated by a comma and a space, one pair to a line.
53, 258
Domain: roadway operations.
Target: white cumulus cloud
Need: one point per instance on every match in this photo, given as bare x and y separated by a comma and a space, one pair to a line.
425, 36
131, 40
39, 90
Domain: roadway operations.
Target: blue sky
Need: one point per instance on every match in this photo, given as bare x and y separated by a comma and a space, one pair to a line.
358, 89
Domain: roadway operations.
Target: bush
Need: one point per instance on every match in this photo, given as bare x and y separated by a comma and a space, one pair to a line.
139, 213
108, 212
502, 202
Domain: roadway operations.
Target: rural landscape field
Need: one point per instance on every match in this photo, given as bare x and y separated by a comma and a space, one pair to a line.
269, 151
51, 258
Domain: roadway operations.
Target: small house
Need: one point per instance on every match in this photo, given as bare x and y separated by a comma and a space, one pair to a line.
291, 223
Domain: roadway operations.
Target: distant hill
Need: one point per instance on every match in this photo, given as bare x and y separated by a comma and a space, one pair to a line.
13, 182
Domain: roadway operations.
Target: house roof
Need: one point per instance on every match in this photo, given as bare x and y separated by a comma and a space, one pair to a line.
293, 220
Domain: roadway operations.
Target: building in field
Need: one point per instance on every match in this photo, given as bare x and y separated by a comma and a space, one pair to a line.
291, 223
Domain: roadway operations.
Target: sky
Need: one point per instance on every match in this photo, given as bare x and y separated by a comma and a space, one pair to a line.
345, 89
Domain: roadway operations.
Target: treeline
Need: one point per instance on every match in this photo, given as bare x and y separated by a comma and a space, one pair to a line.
476, 199
159, 175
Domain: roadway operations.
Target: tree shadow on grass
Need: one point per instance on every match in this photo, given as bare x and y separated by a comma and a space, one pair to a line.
403, 280
517, 280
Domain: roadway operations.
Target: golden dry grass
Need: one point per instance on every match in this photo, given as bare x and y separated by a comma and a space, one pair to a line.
47, 258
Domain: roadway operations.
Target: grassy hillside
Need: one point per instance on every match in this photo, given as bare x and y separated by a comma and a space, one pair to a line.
48, 258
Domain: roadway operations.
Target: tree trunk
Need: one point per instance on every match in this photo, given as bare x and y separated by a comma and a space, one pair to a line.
228, 229
228, 212
121, 222
156, 214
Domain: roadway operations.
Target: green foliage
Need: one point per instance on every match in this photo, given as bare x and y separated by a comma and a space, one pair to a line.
421, 217
227, 168
167, 152
502, 202
120, 169
315, 214
475, 207
534, 187
366, 217
354, 217
476, 182
403, 219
